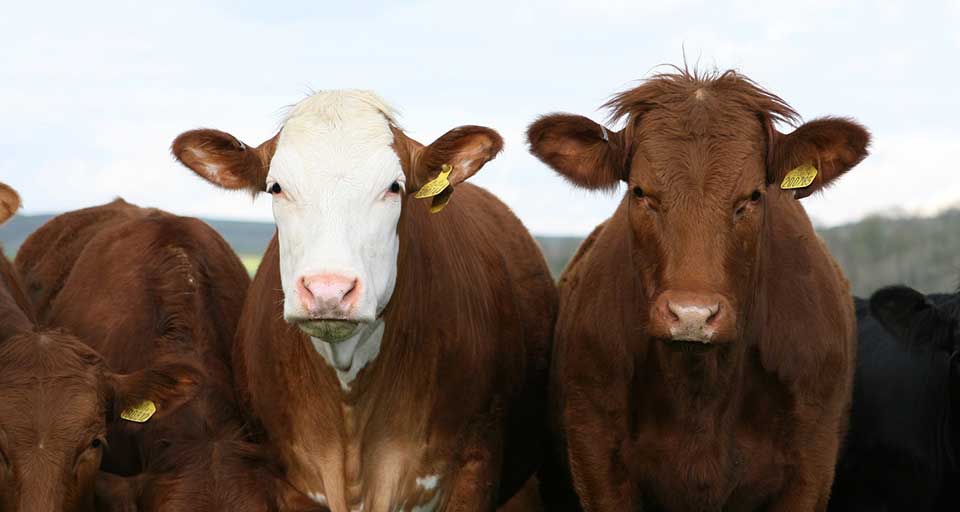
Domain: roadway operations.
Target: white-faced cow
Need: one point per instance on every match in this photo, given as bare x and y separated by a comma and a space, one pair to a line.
394, 357
706, 338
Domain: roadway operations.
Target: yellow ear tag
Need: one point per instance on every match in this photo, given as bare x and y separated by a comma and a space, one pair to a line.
140, 412
800, 177
436, 185
438, 188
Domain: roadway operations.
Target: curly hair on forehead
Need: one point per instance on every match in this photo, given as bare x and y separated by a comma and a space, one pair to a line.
730, 88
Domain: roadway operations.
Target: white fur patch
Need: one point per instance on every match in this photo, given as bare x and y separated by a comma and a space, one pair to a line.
335, 163
429, 506
429, 483
318, 498
350, 356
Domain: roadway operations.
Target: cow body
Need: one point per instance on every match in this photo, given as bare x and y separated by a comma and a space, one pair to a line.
705, 342
57, 398
901, 450
394, 358
451, 398
140, 286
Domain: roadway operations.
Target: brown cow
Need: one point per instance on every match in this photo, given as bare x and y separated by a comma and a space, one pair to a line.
56, 398
706, 339
140, 285
396, 359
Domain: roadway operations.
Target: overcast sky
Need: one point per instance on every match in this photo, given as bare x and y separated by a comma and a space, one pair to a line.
92, 95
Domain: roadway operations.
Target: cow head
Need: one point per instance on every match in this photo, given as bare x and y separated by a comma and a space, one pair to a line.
916, 321
56, 400
340, 171
701, 160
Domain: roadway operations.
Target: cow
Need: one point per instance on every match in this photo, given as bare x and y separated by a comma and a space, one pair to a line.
705, 344
392, 350
57, 397
901, 452
140, 285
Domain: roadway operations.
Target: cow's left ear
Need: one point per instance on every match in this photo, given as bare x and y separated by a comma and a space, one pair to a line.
912, 318
466, 149
168, 385
832, 145
9, 202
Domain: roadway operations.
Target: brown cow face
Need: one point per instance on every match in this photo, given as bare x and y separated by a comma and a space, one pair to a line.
55, 401
701, 160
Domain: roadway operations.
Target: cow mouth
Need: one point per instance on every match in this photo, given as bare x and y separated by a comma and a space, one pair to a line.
330, 331
690, 346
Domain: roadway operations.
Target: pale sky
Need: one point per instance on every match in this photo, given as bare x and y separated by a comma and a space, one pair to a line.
91, 96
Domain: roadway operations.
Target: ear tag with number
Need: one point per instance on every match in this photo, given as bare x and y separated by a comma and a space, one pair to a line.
438, 188
801, 177
139, 412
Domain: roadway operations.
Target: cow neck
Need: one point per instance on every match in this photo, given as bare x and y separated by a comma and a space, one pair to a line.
350, 356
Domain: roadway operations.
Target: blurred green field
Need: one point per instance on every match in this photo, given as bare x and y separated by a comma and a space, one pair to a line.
251, 262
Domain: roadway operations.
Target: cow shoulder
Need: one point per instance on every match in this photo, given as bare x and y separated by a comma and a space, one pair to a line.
810, 334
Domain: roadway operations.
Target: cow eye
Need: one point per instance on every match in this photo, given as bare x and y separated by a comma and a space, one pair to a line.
96, 443
395, 187
274, 189
755, 196
637, 191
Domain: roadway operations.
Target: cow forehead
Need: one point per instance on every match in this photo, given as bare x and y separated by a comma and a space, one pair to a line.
336, 131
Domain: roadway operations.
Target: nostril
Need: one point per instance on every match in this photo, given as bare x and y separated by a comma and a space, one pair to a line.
671, 313
714, 314
353, 291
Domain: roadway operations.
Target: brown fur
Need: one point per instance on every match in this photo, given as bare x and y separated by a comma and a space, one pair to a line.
56, 399
754, 422
458, 387
141, 285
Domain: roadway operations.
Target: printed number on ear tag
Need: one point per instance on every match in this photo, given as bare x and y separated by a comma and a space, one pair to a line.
801, 177
139, 412
436, 185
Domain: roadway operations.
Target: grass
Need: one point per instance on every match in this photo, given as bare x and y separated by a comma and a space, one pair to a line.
251, 262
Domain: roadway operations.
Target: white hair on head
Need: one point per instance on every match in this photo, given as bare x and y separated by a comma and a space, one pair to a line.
330, 106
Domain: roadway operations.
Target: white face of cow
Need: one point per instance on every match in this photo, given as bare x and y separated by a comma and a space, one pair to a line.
337, 188
338, 171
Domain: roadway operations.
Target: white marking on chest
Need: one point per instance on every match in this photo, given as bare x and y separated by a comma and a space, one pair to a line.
428, 483
350, 356
318, 498
429, 506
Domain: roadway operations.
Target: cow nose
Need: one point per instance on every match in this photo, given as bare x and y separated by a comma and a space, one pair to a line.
691, 316
328, 295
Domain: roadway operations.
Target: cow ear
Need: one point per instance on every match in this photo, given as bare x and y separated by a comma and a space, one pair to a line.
465, 149
168, 385
582, 151
9, 202
832, 145
224, 160
912, 318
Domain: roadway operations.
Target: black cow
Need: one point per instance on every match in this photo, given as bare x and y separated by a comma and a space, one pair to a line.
902, 451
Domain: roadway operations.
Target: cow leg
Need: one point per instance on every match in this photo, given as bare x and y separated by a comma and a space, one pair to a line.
815, 447
477, 481
595, 437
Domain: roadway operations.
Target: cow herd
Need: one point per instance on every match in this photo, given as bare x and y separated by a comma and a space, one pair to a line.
404, 348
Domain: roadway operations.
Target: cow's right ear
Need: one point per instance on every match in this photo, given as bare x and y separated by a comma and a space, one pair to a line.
584, 152
9, 202
224, 160
912, 318
168, 385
